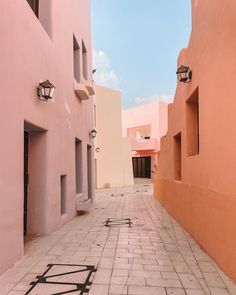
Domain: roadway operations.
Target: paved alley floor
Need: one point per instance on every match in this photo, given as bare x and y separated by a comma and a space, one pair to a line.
151, 256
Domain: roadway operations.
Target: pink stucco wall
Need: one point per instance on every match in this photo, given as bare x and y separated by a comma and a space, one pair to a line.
203, 200
153, 114
29, 53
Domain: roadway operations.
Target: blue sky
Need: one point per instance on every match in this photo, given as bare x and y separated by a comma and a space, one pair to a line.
136, 44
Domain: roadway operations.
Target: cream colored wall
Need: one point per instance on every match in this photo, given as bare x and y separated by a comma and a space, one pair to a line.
114, 166
127, 163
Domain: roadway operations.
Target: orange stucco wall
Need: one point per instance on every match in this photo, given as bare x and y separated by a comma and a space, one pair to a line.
204, 200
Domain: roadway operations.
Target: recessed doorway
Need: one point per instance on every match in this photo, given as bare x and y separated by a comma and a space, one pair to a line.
35, 175
142, 167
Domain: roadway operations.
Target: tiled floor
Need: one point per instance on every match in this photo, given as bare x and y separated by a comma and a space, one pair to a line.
153, 257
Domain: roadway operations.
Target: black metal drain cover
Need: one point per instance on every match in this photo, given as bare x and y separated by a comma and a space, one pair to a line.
118, 222
68, 278
117, 195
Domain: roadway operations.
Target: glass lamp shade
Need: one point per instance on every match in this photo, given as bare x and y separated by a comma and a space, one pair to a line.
45, 90
93, 133
184, 74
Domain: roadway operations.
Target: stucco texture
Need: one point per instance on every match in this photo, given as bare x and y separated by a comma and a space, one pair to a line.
203, 200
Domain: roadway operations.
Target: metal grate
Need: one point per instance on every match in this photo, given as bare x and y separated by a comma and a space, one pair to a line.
64, 280
118, 222
117, 195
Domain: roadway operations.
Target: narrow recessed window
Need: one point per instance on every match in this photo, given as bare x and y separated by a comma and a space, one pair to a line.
63, 194
43, 11
76, 49
84, 52
89, 171
177, 157
78, 165
192, 121
34, 4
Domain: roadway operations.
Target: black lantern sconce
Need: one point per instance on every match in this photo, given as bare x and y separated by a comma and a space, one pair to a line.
93, 133
184, 74
45, 90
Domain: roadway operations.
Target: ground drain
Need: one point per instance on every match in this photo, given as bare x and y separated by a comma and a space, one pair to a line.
118, 222
117, 195
60, 278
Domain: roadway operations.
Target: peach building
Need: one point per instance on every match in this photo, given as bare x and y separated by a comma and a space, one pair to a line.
196, 180
144, 126
46, 152
113, 162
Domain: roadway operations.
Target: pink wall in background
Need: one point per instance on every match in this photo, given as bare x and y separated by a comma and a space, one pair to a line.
144, 121
31, 50
196, 176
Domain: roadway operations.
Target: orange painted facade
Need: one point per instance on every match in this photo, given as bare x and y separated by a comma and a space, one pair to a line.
196, 179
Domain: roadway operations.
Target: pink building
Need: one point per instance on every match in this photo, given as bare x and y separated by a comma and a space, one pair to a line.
196, 176
46, 152
145, 125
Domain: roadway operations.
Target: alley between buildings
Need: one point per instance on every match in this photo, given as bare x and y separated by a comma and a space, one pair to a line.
144, 252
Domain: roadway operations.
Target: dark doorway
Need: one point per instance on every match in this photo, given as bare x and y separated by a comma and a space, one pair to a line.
142, 167
26, 177
35, 175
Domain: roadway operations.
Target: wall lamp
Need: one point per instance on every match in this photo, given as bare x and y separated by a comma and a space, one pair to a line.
97, 149
45, 90
184, 74
93, 133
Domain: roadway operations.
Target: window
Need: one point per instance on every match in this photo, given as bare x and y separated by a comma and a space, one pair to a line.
177, 157
94, 115
43, 11
63, 194
34, 4
84, 52
78, 165
192, 121
89, 171
76, 49
139, 132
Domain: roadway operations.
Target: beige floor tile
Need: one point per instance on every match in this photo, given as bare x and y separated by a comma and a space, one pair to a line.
99, 289
140, 290
153, 257
175, 291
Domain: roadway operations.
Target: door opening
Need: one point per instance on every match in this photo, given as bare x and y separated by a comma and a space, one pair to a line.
26, 178
89, 171
142, 167
35, 175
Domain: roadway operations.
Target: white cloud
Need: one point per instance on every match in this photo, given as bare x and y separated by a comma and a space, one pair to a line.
163, 98
104, 75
